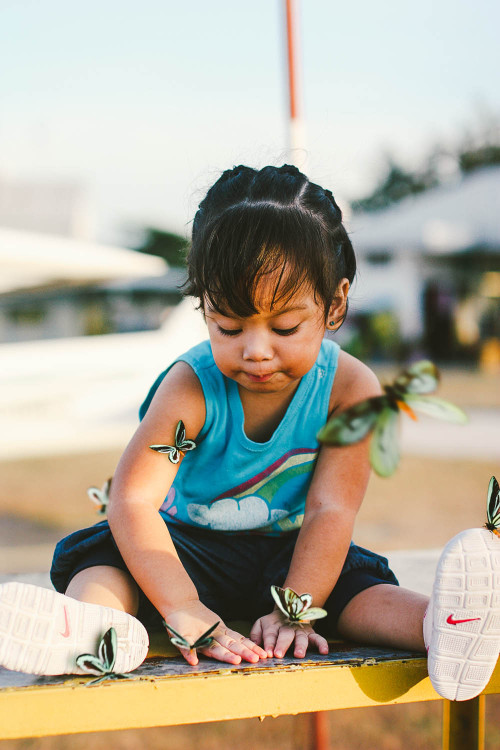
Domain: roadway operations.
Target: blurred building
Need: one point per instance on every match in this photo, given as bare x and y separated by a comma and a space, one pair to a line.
56, 282
429, 271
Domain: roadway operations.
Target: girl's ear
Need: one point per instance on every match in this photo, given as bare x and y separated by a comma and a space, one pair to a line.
338, 308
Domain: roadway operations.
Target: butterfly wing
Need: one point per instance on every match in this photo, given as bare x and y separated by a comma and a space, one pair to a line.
421, 377
205, 639
91, 664
107, 649
315, 613
384, 448
436, 407
180, 433
177, 639
353, 424
162, 448
278, 595
493, 506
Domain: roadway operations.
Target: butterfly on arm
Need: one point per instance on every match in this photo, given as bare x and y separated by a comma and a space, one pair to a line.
296, 607
493, 507
180, 447
408, 393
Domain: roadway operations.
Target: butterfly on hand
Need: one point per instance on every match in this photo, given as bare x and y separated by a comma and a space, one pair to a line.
100, 497
182, 445
202, 642
104, 662
493, 507
296, 607
408, 393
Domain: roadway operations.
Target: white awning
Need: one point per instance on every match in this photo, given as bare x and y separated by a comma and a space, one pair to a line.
30, 259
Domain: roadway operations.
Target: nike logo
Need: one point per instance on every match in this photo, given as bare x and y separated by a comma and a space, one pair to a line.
451, 621
67, 631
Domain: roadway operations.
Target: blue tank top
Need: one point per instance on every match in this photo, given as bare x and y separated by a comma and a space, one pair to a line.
234, 484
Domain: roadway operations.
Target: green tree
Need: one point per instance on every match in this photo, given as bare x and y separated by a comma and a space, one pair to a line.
168, 245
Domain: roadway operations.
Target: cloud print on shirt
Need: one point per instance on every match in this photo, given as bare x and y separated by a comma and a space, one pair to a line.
235, 515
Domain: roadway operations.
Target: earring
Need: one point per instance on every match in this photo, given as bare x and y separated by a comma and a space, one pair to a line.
332, 323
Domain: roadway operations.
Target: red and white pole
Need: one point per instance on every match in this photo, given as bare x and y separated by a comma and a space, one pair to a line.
296, 132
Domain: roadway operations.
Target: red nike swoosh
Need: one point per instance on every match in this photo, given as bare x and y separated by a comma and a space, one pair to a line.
451, 621
66, 620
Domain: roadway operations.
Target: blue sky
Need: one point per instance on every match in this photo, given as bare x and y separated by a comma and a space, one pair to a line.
146, 102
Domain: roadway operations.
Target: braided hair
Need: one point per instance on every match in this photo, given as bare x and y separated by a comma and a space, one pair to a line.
270, 221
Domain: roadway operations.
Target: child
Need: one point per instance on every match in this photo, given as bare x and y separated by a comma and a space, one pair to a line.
253, 501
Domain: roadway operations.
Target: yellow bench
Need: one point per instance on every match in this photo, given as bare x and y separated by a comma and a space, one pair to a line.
165, 691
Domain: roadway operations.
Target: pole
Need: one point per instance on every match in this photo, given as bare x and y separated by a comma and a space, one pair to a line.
296, 134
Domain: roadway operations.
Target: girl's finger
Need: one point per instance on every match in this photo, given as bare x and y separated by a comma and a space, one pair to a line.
320, 642
270, 636
301, 643
285, 638
236, 646
256, 632
221, 653
190, 656
247, 643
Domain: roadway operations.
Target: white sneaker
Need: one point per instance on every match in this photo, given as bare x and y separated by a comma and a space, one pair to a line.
42, 632
462, 622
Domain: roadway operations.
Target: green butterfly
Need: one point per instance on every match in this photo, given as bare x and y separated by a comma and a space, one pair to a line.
103, 663
202, 642
407, 393
100, 497
493, 507
182, 445
296, 607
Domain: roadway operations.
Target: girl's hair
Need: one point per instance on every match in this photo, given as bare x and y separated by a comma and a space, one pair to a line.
253, 223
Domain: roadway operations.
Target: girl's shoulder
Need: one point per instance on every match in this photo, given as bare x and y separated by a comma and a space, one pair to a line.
354, 382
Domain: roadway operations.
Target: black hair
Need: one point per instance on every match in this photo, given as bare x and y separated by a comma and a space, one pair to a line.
252, 223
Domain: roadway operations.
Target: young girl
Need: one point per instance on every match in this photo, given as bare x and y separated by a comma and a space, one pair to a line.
197, 536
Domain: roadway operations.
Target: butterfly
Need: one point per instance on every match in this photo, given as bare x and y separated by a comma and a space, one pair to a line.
182, 445
296, 607
103, 663
493, 507
202, 642
408, 393
100, 497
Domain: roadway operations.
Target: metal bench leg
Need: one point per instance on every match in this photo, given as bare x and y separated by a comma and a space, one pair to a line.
463, 724
320, 730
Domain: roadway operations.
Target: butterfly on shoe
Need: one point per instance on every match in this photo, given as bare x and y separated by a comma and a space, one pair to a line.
100, 497
493, 507
202, 642
102, 664
407, 393
296, 607
182, 445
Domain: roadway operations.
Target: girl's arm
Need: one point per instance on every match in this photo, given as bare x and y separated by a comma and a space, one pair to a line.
139, 487
334, 498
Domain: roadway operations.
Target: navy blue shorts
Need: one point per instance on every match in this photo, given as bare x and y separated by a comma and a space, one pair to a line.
232, 573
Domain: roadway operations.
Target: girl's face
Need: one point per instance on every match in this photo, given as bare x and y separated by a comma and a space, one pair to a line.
270, 351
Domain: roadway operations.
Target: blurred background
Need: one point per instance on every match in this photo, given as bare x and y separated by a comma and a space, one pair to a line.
115, 119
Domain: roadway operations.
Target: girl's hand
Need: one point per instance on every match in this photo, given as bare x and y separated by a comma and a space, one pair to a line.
228, 645
277, 636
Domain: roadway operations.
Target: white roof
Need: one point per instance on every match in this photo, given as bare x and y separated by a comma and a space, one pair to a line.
30, 259
450, 218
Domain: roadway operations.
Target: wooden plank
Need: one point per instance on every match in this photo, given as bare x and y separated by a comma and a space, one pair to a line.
167, 692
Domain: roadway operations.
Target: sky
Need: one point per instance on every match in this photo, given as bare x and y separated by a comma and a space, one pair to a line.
145, 103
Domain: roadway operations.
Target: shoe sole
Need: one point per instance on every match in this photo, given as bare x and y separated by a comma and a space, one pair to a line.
463, 655
43, 632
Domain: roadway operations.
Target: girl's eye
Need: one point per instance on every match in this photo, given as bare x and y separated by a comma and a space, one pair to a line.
229, 331
285, 331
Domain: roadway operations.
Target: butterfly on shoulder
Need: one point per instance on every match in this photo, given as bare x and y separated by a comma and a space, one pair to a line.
493, 507
181, 444
296, 607
100, 497
408, 393
202, 642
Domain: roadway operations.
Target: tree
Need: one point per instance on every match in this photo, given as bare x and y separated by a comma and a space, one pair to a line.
168, 245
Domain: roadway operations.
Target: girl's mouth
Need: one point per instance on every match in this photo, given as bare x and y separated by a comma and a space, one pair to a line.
259, 378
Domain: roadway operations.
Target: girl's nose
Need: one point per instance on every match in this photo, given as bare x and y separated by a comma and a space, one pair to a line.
257, 347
